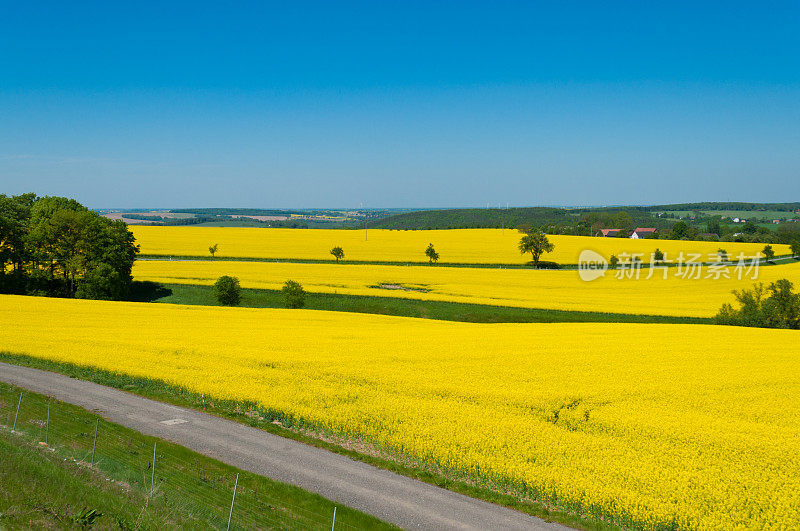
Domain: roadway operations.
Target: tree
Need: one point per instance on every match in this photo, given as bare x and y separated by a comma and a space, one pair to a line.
623, 220
658, 256
782, 307
714, 227
337, 253
213, 249
679, 231
536, 244
294, 296
749, 228
613, 261
795, 247
227, 291
14, 215
64, 246
776, 306
101, 283
723, 255
769, 253
431, 253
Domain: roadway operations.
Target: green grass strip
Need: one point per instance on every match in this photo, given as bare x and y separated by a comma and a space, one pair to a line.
441, 310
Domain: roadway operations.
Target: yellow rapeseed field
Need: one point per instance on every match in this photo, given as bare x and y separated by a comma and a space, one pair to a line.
560, 290
469, 246
656, 425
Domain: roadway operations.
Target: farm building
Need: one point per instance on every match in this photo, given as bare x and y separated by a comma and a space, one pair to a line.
610, 233
642, 232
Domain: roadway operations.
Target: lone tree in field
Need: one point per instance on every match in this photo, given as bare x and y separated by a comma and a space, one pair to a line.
658, 256
213, 249
769, 253
536, 244
431, 253
294, 296
613, 261
337, 253
227, 291
723, 255
795, 247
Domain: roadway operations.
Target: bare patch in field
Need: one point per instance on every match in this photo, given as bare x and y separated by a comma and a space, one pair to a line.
419, 288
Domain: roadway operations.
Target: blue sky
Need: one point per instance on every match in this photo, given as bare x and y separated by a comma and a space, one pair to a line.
400, 104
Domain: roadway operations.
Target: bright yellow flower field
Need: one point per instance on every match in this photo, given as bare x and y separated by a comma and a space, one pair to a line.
560, 290
687, 425
469, 246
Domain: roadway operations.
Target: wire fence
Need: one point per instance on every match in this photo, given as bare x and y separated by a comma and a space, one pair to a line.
208, 492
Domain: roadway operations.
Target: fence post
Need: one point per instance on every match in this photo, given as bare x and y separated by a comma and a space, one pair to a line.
17, 415
94, 446
47, 428
153, 473
333, 525
230, 514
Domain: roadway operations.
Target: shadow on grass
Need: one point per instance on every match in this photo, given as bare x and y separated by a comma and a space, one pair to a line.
146, 291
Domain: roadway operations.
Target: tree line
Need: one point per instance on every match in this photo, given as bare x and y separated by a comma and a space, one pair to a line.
54, 246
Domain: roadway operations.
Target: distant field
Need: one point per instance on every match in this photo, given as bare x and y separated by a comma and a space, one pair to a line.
644, 425
471, 246
558, 290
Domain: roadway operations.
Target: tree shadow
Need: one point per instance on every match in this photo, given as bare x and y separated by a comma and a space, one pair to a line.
147, 291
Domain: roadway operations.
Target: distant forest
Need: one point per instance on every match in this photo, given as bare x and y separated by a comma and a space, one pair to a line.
755, 207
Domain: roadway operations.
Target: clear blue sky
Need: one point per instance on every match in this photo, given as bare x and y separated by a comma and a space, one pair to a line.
400, 104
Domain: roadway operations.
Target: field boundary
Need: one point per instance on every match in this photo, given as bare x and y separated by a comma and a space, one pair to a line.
482, 265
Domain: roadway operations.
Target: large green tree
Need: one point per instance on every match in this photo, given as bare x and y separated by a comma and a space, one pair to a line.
56, 246
537, 244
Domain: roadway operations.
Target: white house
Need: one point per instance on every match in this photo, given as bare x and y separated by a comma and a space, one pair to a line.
641, 232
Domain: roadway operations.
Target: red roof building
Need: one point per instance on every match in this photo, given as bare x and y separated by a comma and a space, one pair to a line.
640, 232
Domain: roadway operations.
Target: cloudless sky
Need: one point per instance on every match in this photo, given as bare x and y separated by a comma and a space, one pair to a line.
400, 104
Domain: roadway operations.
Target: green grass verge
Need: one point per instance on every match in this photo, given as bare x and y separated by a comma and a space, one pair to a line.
237, 411
40, 490
447, 311
55, 485
208, 258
